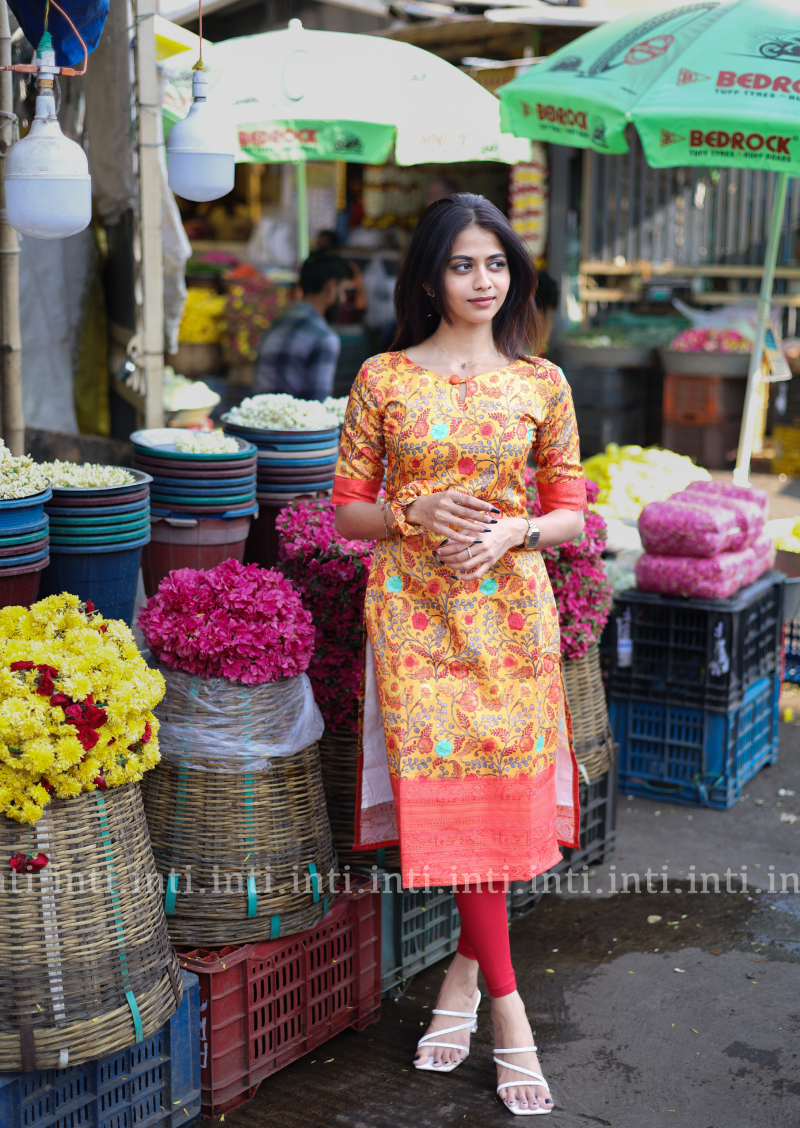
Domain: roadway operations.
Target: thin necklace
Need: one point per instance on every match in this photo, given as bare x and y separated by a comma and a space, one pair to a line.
463, 363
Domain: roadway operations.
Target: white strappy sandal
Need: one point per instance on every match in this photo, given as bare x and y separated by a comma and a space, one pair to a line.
537, 1078
424, 1042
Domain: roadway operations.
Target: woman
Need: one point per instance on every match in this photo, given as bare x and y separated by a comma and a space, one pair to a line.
467, 755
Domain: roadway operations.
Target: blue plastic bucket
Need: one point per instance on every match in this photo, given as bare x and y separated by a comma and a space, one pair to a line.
24, 512
89, 514
109, 579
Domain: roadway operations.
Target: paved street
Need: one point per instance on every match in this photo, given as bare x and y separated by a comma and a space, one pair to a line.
627, 1040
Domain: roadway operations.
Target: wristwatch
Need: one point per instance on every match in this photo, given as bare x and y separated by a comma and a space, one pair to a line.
531, 537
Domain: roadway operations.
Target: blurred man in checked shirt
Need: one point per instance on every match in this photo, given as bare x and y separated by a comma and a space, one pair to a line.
298, 353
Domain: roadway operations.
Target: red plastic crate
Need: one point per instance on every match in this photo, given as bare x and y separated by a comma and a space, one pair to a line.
262, 1006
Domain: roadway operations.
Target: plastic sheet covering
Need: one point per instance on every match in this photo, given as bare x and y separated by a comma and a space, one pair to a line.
680, 527
696, 577
89, 17
748, 513
212, 724
729, 490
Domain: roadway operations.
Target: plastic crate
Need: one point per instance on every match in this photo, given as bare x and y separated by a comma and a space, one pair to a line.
703, 399
696, 756
712, 445
155, 1084
605, 388
704, 652
419, 927
791, 651
598, 428
264, 1005
598, 801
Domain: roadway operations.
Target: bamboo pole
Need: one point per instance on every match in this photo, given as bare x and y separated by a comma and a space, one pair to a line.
741, 474
150, 357
10, 338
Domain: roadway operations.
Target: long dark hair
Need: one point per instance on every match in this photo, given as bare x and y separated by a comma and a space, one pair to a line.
515, 326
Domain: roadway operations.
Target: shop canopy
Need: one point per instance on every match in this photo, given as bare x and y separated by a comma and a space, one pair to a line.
298, 95
714, 83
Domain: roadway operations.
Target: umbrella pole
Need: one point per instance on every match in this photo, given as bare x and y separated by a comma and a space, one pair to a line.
302, 213
742, 472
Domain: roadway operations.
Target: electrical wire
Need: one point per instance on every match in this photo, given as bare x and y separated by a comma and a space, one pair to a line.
69, 70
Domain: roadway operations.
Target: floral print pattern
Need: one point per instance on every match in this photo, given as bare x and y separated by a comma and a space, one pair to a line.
468, 671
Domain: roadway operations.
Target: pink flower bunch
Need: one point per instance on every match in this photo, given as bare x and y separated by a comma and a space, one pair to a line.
331, 575
711, 340
233, 621
582, 592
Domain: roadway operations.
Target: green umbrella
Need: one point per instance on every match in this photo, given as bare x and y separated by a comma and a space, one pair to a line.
713, 83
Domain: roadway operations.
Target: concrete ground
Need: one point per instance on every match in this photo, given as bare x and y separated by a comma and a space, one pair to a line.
691, 1019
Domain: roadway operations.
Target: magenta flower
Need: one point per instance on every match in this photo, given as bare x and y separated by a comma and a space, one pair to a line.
582, 592
240, 622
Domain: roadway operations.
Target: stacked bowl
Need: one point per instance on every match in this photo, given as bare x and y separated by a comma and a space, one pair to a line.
24, 548
201, 504
291, 464
96, 540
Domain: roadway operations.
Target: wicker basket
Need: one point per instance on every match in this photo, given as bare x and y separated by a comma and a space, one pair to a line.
339, 754
86, 967
254, 842
591, 730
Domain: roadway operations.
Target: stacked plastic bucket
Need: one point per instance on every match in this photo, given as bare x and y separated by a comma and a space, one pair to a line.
201, 504
291, 464
96, 541
24, 548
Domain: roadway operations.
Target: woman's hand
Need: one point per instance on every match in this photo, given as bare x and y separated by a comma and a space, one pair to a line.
475, 560
458, 516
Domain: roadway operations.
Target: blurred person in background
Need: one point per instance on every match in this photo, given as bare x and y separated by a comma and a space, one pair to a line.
298, 353
438, 188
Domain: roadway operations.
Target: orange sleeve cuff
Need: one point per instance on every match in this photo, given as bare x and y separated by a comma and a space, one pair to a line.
567, 494
346, 490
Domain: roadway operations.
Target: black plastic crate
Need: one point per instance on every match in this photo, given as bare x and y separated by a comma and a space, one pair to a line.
419, 927
703, 652
791, 651
599, 427
598, 801
609, 389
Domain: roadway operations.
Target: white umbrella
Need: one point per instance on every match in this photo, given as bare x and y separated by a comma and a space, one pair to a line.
298, 95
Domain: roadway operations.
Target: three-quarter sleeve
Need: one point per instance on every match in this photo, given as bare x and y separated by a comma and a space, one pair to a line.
359, 471
559, 476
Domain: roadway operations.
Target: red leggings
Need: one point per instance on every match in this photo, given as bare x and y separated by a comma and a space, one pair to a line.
484, 937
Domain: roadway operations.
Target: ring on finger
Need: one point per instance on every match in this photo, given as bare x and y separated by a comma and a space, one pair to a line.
469, 552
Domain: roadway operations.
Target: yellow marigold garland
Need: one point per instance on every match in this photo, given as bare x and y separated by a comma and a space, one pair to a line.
75, 709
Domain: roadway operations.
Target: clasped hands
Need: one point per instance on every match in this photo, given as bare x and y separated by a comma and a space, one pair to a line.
476, 536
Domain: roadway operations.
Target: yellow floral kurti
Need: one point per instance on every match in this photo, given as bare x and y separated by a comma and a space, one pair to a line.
467, 756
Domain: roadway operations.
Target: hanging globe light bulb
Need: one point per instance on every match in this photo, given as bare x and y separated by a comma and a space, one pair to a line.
200, 163
48, 186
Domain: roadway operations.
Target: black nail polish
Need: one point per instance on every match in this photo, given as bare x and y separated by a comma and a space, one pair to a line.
487, 530
492, 520
495, 509
477, 542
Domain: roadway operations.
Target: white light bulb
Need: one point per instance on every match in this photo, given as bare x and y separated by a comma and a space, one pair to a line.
200, 164
48, 186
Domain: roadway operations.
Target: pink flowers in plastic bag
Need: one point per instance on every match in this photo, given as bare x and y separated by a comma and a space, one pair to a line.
240, 622
706, 519
677, 527
714, 577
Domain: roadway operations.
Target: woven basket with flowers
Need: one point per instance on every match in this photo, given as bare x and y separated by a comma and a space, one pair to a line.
86, 967
236, 808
